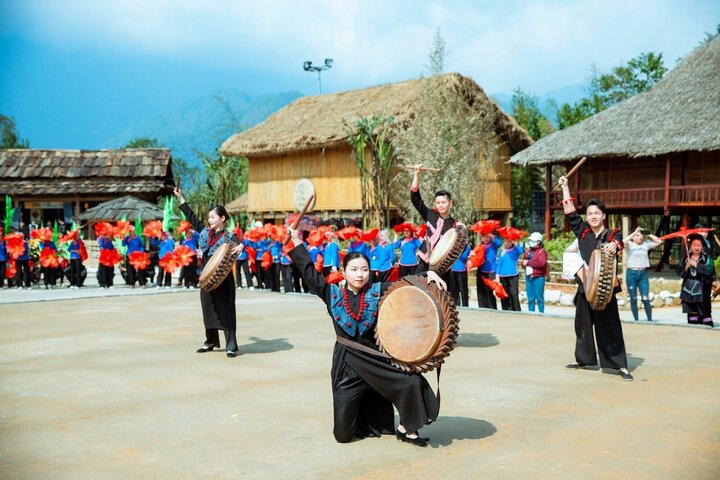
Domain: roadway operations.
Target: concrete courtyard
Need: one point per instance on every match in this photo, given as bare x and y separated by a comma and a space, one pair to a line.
111, 387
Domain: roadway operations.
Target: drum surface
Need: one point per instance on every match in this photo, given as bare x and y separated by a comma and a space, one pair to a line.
442, 247
217, 268
417, 324
410, 324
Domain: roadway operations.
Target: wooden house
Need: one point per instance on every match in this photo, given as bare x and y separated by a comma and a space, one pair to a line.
656, 153
307, 141
60, 184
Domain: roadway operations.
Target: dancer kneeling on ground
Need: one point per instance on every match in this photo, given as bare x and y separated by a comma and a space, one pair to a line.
218, 305
365, 385
591, 234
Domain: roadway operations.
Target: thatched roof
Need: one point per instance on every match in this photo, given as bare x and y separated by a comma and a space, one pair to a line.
238, 205
317, 121
128, 207
85, 172
679, 114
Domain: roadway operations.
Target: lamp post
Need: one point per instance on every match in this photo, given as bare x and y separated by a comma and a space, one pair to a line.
309, 67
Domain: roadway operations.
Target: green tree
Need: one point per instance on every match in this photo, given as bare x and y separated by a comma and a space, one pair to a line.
709, 36
10, 138
438, 54
375, 155
526, 180
607, 89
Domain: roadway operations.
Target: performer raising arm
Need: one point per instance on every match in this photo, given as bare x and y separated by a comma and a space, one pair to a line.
365, 385
591, 234
218, 305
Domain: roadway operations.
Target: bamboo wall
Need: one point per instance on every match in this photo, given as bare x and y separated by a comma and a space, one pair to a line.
336, 180
334, 175
496, 188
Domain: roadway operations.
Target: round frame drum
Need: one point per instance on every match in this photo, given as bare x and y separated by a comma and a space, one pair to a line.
417, 324
218, 267
448, 249
600, 279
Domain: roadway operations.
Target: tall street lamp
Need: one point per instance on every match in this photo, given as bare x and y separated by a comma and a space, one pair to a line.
309, 67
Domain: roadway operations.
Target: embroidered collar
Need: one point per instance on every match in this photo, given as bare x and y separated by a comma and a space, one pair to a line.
351, 322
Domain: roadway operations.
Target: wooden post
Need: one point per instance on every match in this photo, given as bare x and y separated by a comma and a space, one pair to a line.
548, 209
625, 233
666, 202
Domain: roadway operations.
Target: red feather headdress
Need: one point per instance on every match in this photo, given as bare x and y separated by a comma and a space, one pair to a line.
169, 262
109, 257
511, 233
184, 255
42, 234
49, 258
139, 260
496, 287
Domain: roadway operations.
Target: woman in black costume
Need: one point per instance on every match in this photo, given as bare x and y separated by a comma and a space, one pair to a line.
218, 305
365, 385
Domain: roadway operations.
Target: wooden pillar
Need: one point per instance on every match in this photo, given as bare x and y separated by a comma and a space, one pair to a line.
625, 232
666, 202
548, 209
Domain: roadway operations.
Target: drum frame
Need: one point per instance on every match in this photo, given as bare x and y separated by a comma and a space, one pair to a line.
449, 330
461, 241
600, 279
210, 280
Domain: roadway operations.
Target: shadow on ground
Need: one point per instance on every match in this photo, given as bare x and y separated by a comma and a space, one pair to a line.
477, 340
448, 429
265, 346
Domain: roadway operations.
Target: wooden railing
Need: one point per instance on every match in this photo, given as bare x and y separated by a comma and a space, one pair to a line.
680, 196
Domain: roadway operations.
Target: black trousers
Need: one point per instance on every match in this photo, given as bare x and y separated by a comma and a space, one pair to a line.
299, 280
260, 275
163, 274
22, 275
105, 275
134, 275
273, 274
291, 280
608, 331
406, 270
75, 267
49, 275
244, 268
512, 302
188, 274
2, 273
486, 298
460, 295
377, 276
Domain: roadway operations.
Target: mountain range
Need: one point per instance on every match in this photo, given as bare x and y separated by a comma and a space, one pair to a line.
202, 124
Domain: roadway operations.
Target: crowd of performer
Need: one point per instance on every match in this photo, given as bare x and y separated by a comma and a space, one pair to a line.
154, 255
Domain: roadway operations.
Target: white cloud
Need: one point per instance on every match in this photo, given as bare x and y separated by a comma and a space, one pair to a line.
536, 44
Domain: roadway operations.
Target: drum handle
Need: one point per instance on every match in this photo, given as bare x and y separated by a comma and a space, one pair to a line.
297, 221
358, 346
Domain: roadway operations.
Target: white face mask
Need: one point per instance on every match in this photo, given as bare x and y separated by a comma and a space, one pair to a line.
532, 243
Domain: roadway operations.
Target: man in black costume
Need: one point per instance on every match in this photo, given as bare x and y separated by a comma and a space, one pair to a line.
592, 235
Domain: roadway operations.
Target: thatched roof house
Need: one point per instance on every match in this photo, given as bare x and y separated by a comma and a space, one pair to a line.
657, 151
306, 139
57, 184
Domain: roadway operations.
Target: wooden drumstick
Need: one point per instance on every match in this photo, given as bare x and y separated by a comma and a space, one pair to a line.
177, 184
572, 171
424, 169
297, 221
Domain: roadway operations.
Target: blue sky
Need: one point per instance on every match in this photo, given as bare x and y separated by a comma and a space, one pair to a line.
81, 70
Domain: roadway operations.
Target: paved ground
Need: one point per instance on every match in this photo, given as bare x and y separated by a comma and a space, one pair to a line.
111, 388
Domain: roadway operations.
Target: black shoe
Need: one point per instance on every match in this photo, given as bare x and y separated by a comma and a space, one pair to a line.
575, 366
205, 348
232, 354
626, 376
418, 441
